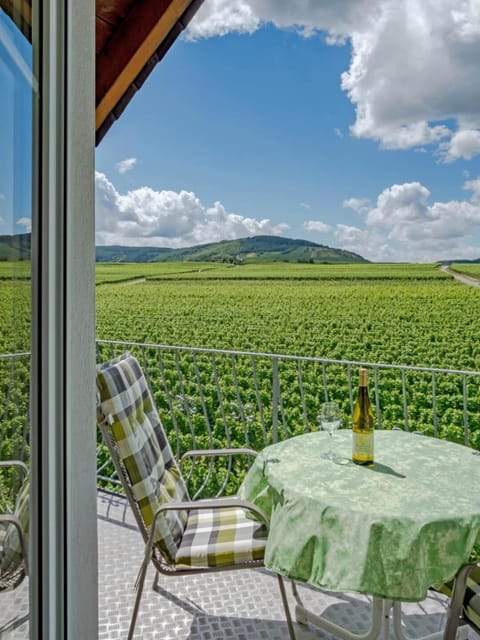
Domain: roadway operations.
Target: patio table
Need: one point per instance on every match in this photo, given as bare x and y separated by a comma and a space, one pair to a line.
390, 531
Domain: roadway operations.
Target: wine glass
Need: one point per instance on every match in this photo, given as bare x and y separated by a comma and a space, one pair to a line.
330, 420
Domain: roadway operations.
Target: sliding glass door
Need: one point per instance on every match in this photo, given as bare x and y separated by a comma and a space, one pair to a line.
17, 88
47, 354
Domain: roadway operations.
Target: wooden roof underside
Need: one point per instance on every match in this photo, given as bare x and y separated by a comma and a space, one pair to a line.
132, 36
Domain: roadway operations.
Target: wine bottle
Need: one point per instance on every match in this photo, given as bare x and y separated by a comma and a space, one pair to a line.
362, 424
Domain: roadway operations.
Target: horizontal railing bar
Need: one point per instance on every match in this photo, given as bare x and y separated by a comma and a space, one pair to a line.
282, 356
15, 355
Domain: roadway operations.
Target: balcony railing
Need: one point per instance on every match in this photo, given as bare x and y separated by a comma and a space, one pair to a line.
211, 398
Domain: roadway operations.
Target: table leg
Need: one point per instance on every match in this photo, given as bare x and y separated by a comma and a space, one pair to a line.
303, 616
397, 626
380, 623
386, 606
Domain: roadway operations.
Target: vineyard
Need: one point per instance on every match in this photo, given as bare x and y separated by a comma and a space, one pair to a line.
394, 314
470, 269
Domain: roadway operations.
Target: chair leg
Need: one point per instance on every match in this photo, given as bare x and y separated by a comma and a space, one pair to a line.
155, 581
286, 607
455, 606
139, 586
294, 589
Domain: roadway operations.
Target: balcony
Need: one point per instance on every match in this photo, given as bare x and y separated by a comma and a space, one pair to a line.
209, 398
241, 605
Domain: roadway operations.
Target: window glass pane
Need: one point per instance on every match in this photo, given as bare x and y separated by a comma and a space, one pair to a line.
16, 88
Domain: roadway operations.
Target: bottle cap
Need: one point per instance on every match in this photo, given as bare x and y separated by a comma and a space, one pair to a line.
363, 377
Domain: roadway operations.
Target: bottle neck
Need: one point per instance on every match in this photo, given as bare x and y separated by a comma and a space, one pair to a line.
363, 379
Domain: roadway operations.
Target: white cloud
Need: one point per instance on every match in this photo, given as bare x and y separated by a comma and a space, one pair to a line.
219, 17
316, 226
25, 222
167, 218
305, 205
404, 225
2, 221
413, 63
463, 144
474, 187
2, 196
338, 132
367, 243
125, 165
360, 205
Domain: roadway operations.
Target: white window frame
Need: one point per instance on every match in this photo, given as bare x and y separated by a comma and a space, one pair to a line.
63, 584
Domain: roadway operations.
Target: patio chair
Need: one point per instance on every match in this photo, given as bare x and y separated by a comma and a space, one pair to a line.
13, 530
181, 536
464, 605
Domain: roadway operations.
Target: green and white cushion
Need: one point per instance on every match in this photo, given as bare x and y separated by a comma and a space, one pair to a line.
471, 600
11, 555
220, 537
126, 409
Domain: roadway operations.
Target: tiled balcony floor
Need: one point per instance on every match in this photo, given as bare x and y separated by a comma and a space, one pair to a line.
239, 605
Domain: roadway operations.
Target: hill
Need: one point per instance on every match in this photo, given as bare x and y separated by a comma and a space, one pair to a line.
256, 249
245, 250
15, 247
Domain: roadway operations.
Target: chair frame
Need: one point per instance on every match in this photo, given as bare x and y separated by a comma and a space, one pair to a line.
455, 616
152, 554
21, 573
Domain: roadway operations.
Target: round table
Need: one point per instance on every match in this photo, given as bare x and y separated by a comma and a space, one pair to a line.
390, 531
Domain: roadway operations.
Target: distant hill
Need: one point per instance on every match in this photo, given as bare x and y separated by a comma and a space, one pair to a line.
117, 253
15, 247
462, 261
245, 250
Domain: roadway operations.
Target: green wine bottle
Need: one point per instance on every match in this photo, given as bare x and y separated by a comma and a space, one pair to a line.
362, 424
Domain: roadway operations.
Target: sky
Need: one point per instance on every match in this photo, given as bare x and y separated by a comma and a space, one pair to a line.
351, 123
16, 87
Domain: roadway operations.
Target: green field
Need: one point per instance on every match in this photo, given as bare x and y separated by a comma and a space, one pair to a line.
108, 273
397, 314
470, 268
401, 314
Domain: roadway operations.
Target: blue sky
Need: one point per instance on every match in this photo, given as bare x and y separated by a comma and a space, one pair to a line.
15, 130
281, 123
353, 124
260, 123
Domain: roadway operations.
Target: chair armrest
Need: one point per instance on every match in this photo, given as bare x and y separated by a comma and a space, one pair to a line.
15, 463
218, 452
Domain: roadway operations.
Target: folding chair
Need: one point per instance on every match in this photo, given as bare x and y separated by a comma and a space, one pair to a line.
464, 605
181, 536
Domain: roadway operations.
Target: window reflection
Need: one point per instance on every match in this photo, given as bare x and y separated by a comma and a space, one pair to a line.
15, 311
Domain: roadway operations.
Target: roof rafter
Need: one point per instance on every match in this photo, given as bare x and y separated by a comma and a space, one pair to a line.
144, 36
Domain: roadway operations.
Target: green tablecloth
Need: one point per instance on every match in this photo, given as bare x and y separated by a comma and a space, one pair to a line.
391, 531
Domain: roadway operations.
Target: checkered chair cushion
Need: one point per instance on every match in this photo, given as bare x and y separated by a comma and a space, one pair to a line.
126, 409
220, 537
471, 600
11, 556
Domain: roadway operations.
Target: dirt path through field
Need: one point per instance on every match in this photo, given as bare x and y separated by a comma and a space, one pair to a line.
139, 281
463, 279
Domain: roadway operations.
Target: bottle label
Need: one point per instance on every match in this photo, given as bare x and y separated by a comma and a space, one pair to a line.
363, 445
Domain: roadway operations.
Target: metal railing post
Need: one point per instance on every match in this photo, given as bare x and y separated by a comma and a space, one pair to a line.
275, 399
